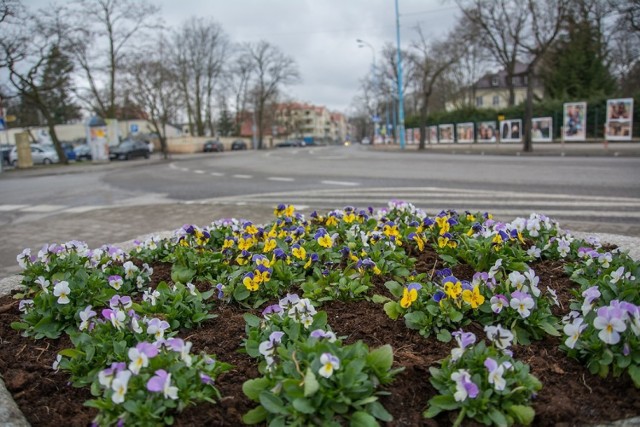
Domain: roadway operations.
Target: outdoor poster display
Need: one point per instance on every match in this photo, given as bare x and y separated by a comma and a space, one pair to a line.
433, 134
511, 130
542, 129
487, 132
464, 133
619, 119
575, 121
445, 133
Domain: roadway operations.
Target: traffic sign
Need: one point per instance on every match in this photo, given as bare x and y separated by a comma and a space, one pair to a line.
3, 126
375, 119
134, 128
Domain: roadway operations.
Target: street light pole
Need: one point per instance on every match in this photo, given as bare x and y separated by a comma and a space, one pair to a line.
363, 43
400, 99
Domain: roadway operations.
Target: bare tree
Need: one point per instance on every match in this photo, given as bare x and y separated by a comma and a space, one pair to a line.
429, 61
153, 87
459, 82
117, 25
387, 78
239, 74
271, 69
28, 45
200, 50
516, 31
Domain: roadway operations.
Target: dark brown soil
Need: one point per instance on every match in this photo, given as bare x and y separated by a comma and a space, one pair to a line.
570, 396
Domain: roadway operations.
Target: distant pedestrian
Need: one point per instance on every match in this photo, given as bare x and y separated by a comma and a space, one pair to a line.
150, 145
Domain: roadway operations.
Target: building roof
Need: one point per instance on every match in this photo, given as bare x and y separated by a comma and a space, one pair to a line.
499, 80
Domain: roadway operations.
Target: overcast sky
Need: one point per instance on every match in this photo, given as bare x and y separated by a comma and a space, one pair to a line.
320, 35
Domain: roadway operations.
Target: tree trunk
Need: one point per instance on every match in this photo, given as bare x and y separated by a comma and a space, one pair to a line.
528, 113
56, 143
423, 128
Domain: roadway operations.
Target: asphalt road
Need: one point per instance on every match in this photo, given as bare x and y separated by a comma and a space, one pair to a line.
119, 201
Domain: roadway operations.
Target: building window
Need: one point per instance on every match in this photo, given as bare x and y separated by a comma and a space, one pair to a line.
496, 100
494, 81
515, 80
479, 101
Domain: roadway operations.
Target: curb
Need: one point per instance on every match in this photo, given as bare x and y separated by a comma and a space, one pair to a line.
11, 416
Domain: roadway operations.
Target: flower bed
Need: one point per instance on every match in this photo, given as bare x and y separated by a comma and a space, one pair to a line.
354, 317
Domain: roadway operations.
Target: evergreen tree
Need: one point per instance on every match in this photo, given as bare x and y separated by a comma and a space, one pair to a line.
576, 66
225, 123
56, 87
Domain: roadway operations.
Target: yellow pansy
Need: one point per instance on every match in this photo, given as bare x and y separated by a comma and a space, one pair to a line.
325, 241
443, 224
453, 290
474, 298
269, 245
299, 252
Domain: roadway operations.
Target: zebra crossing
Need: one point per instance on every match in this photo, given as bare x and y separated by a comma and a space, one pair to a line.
503, 204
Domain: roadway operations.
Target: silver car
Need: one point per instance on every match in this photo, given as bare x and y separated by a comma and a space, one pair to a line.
40, 154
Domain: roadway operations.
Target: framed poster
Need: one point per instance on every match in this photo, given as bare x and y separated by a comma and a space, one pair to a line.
487, 132
542, 129
445, 133
511, 130
465, 133
574, 121
619, 119
433, 134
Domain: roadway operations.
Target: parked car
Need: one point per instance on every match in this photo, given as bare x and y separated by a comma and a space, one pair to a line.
5, 150
40, 154
83, 152
68, 151
129, 149
238, 144
211, 146
291, 143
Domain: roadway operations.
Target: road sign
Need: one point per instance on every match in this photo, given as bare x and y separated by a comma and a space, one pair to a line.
3, 126
375, 119
134, 128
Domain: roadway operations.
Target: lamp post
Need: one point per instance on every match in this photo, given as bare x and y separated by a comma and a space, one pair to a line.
363, 43
400, 99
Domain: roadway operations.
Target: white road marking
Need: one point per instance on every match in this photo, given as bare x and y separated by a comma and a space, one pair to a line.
344, 183
7, 208
198, 171
243, 176
280, 178
82, 209
216, 174
42, 208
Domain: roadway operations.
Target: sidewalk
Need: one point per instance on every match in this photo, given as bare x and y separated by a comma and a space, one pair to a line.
568, 149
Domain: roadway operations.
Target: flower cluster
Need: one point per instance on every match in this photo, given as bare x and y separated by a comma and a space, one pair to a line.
154, 380
300, 358
484, 382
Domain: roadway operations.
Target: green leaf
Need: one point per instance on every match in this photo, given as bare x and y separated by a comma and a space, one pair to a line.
240, 292
444, 335
517, 266
303, 405
497, 417
252, 388
445, 402
393, 310
71, 353
522, 414
311, 384
634, 373
251, 320
550, 329
272, 403
395, 288
379, 299
362, 419
451, 261
377, 410
381, 358
255, 416
19, 326
181, 273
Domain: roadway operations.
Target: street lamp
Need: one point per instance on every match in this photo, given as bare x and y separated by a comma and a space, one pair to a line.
363, 43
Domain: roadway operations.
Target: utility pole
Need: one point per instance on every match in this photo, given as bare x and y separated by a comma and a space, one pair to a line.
400, 98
